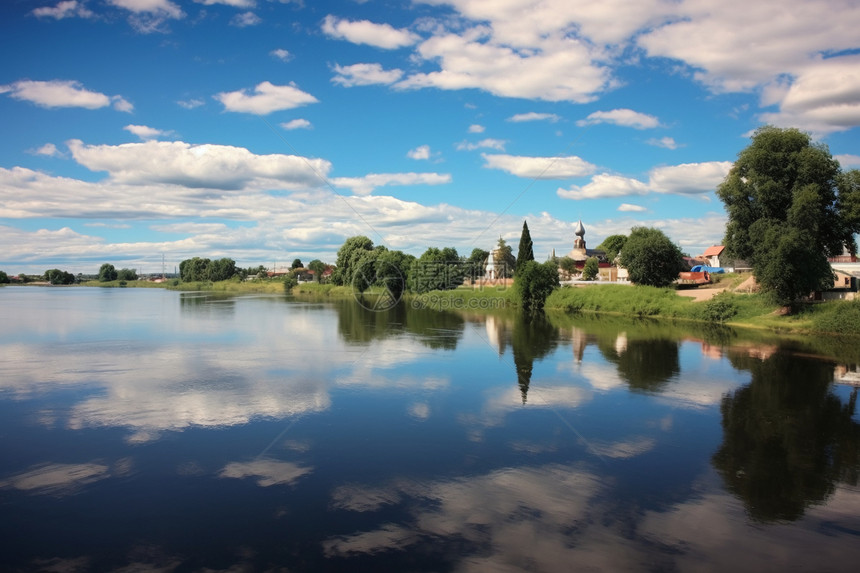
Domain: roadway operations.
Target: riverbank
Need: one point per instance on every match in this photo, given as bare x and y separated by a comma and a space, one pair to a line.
720, 304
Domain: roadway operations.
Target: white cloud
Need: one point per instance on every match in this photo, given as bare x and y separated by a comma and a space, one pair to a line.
366, 185
281, 54
689, 178
562, 70
65, 9
605, 185
268, 472
233, 3
265, 99
665, 142
629, 208
62, 93
199, 166
148, 16
824, 98
622, 117
365, 75
540, 167
191, 103
245, 19
48, 149
684, 179
296, 124
366, 32
475, 128
534, 116
848, 160
57, 479
145, 132
420, 152
488, 143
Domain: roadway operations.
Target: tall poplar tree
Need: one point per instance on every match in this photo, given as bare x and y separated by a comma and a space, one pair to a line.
526, 252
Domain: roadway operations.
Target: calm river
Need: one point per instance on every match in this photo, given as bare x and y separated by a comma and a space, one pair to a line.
147, 430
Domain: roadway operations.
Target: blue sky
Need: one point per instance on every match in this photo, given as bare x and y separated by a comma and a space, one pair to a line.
266, 130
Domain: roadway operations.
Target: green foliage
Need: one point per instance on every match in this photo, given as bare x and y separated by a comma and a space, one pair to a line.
612, 246
534, 283
504, 260
318, 267
526, 250
651, 258
4, 278
126, 275
785, 217
58, 277
197, 269
289, 284
297, 264
848, 203
348, 256
477, 262
591, 269
720, 308
436, 269
838, 317
107, 272
567, 264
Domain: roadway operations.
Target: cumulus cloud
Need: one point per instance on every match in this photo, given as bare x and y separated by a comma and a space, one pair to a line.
665, 142
562, 70
622, 117
365, 75
265, 99
366, 32
233, 3
539, 167
198, 166
684, 179
48, 149
281, 54
145, 132
245, 19
848, 160
475, 128
296, 124
191, 103
420, 152
65, 9
367, 184
62, 93
488, 143
148, 16
630, 208
267, 472
534, 116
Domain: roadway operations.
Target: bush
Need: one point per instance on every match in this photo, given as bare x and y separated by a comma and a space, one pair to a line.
289, 284
838, 317
720, 308
534, 283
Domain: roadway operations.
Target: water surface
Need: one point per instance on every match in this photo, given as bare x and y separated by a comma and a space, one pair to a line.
147, 429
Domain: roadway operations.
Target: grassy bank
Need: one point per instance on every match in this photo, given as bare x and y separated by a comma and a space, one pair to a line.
733, 309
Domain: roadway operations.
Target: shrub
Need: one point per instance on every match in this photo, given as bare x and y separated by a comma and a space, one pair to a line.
720, 308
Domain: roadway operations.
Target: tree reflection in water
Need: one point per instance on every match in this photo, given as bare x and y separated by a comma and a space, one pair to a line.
787, 438
532, 338
434, 328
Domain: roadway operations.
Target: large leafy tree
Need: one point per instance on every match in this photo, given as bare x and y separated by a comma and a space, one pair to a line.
436, 269
534, 283
503, 259
651, 258
348, 256
785, 213
107, 272
612, 245
526, 251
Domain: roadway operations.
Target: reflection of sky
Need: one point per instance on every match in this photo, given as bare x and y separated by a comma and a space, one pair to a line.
382, 448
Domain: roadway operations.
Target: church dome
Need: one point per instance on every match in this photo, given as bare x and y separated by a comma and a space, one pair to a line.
580, 230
